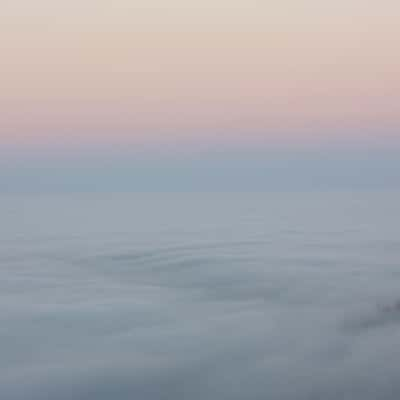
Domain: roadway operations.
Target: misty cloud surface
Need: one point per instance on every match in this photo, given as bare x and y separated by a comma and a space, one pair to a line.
264, 296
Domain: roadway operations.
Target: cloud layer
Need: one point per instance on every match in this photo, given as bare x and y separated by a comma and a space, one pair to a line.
203, 297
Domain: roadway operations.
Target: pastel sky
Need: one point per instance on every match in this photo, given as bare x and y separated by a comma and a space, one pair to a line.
183, 75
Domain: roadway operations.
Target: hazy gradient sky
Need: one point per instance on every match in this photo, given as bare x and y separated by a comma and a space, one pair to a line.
192, 84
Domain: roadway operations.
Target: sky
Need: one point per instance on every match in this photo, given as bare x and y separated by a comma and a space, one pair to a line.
157, 94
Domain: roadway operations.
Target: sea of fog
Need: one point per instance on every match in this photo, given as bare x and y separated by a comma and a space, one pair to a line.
200, 296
